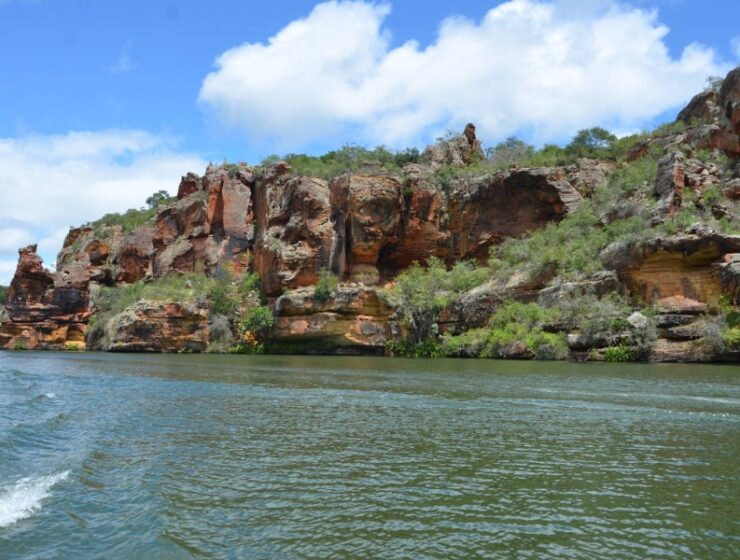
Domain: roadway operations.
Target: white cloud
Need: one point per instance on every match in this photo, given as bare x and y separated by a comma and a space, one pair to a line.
48, 183
11, 238
551, 68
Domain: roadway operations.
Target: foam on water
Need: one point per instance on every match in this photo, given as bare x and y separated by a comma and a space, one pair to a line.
24, 498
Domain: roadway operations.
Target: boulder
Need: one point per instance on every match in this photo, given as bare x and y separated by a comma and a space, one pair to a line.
159, 327
484, 211
355, 319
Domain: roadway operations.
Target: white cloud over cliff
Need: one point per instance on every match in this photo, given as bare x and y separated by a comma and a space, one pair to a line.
51, 182
547, 68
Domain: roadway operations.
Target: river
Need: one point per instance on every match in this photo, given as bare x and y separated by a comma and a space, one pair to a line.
277, 457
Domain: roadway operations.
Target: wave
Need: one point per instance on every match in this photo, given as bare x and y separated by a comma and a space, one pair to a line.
24, 498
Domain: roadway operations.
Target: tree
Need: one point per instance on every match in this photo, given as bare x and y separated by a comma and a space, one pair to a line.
591, 142
158, 198
510, 151
421, 293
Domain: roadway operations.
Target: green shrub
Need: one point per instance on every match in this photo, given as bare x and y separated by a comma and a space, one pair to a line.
258, 320
4, 295
19, 345
326, 285
513, 322
731, 337
420, 293
348, 159
618, 354
425, 349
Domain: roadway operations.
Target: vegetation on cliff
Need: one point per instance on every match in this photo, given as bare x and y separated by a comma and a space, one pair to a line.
606, 248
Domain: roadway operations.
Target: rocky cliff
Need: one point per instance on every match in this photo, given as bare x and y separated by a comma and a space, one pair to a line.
366, 226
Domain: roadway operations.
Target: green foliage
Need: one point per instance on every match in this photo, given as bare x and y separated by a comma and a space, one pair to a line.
258, 320
618, 354
326, 285
422, 292
426, 349
714, 83
510, 151
572, 245
593, 316
514, 322
242, 348
4, 294
347, 159
19, 345
731, 337
159, 198
592, 142
129, 220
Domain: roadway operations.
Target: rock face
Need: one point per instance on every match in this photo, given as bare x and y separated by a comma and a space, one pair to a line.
212, 222
367, 213
159, 327
489, 209
687, 266
295, 233
353, 320
44, 310
457, 151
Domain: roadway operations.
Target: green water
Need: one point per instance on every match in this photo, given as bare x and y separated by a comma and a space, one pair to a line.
137, 456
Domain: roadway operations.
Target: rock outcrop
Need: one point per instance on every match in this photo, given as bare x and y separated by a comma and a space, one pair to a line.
368, 225
45, 310
355, 319
457, 151
687, 266
158, 327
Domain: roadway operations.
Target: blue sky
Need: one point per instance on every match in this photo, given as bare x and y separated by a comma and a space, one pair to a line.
103, 102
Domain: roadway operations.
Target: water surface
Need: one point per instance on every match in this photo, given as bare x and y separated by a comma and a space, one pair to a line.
139, 456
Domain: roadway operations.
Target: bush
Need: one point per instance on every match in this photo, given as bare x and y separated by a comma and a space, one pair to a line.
4, 295
259, 321
326, 285
220, 333
422, 292
426, 349
514, 322
348, 159
618, 354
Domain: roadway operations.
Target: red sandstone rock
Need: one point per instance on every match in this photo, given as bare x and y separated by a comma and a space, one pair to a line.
295, 232
159, 327
353, 317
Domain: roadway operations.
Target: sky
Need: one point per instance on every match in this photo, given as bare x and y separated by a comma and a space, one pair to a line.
104, 103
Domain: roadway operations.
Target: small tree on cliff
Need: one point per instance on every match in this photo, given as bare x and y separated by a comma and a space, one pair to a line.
591, 142
158, 198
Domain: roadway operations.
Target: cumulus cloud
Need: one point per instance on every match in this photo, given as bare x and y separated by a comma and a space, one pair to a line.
545, 68
51, 182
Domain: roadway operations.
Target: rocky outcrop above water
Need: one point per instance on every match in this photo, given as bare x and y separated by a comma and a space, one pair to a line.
368, 225
688, 266
354, 319
158, 327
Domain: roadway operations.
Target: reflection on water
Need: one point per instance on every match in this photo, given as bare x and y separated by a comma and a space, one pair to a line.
294, 457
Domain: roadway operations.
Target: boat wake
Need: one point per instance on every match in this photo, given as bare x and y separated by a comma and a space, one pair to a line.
24, 498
